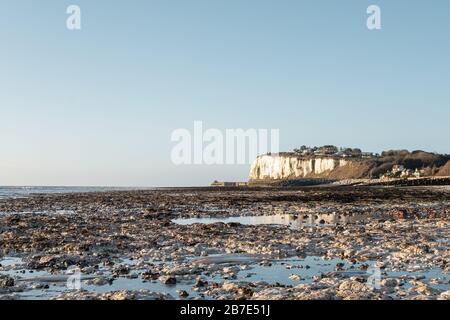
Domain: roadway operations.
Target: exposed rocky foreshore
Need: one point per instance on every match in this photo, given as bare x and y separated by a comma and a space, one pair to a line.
126, 245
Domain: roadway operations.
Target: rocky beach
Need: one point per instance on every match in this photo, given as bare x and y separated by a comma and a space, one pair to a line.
228, 243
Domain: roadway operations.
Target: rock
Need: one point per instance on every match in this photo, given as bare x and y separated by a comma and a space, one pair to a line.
57, 262
100, 281
349, 253
325, 294
168, 280
182, 293
200, 283
121, 270
423, 297
426, 290
339, 266
389, 282
232, 270
265, 263
295, 277
149, 275
354, 290
122, 295
399, 213
116, 295
230, 286
272, 294
444, 295
243, 291
40, 286
6, 281
89, 270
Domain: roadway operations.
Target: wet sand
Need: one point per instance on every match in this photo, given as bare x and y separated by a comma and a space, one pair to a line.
347, 243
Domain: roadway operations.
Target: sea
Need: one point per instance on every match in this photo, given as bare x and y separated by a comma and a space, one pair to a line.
23, 192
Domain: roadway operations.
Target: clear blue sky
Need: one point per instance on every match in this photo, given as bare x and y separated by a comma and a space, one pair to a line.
97, 106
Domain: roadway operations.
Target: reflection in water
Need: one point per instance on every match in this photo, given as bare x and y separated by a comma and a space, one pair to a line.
304, 270
294, 221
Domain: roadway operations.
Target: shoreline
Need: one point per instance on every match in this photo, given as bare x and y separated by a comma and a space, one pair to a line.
127, 245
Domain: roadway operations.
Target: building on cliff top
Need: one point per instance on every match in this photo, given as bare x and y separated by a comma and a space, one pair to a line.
228, 184
330, 150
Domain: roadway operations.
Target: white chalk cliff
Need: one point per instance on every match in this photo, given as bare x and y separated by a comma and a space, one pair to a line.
279, 167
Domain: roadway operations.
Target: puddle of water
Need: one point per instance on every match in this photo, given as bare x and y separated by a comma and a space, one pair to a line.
281, 271
230, 259
10, 261
57, 283
289, 272
55, 213
293, 221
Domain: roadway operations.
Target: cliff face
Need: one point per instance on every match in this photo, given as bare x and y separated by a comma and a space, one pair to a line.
290, 167
444, 171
